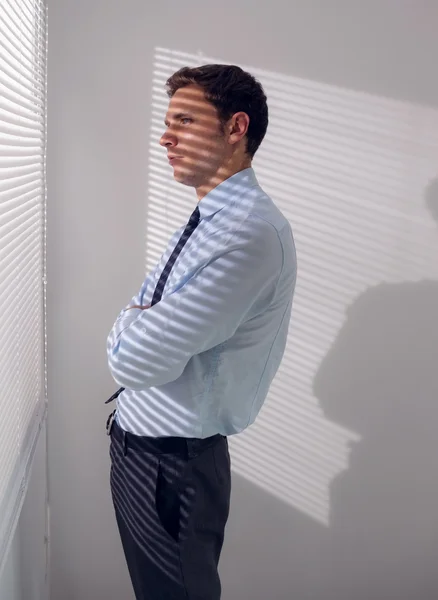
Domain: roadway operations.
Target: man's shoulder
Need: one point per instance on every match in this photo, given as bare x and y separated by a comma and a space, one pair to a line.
264, 217
258, 230
249, 217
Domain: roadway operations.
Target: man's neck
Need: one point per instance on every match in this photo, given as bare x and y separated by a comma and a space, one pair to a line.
222, 175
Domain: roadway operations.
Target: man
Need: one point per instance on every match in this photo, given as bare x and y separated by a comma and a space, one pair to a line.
197, 348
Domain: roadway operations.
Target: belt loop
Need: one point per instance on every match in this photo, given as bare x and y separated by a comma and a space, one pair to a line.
125, 444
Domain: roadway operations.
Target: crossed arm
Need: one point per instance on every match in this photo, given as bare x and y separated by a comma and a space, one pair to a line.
153, 346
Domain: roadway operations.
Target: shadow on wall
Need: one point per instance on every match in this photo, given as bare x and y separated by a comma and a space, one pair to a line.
347, 169
379, 379
334, 494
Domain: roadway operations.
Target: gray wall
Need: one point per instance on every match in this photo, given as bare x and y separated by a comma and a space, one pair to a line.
10, 588
25, 575
334, 495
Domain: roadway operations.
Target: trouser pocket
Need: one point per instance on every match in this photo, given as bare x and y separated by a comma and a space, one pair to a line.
168, 501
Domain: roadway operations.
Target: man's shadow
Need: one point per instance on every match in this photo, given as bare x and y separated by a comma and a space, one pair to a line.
380, 379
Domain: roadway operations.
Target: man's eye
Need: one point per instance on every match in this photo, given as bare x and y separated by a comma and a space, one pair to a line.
186, 121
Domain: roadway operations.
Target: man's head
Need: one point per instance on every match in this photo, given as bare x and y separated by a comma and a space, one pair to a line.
216, 120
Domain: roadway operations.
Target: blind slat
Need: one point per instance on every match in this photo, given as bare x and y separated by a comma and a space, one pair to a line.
17, 131
12, 182
11, 110
11, 55
12, 162
23, 87
9, 151
11, 117
8, 338
21, 142
18, 17
29, 384
23, 98
15, 259
12, 61
12, 114
27, 14
13, 296
9, 251
9, 457
27, 226
13, 172
12, 21
13, 198
9, 394
15, 182
17, 101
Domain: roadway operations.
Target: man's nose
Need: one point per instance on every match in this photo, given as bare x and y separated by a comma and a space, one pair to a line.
168, 139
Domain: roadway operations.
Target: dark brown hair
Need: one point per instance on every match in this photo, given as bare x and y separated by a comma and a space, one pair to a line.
230, 89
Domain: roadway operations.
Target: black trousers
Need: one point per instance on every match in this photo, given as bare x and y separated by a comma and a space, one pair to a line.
171, 498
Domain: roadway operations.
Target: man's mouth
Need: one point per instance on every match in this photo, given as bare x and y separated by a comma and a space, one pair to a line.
173, 159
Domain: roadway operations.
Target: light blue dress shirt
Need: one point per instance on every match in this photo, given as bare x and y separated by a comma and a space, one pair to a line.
200, 361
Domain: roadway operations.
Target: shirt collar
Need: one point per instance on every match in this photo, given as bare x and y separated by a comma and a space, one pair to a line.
220, 196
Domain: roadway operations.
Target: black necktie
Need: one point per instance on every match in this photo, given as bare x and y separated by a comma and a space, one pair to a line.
190, 228
159, 288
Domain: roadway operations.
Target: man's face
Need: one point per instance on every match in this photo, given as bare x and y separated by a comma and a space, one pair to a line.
195, 141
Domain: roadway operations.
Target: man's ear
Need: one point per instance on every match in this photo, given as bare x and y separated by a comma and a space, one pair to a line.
238, 127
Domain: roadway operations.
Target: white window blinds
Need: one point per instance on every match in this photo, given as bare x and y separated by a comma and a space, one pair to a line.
22, 248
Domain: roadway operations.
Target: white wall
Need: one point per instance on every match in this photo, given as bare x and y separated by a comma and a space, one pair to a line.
24, 576
334, 495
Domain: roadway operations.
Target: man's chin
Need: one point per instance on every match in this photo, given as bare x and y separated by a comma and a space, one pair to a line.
184, 177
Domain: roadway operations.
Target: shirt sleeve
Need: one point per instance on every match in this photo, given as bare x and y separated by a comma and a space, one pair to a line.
239, 279
127, 315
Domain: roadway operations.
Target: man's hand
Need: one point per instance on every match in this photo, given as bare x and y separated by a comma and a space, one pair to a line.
138, 306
